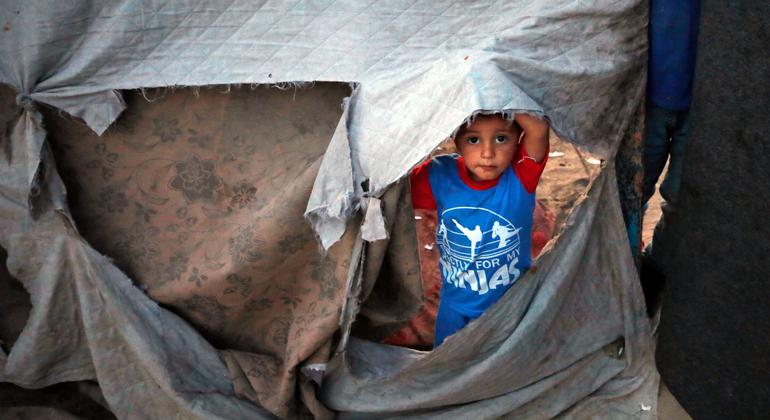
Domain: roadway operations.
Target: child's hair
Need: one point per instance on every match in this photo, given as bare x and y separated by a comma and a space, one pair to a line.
467, 123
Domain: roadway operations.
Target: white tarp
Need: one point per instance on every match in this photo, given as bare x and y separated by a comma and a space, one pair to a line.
421, 67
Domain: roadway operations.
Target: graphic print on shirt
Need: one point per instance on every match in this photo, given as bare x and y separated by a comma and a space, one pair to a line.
479, 249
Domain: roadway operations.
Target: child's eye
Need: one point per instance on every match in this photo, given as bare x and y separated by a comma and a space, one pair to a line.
472, 140
501, 139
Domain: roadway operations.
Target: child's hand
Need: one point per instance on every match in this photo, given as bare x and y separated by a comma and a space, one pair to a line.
535, 135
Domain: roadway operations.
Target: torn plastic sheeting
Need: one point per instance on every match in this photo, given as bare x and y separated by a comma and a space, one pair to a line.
373, 228
75, 289
419, 76
98, 109
332, 200
79, 148
352, 304
102, 307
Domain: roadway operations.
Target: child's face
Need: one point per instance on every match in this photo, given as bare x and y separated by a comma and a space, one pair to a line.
487, 146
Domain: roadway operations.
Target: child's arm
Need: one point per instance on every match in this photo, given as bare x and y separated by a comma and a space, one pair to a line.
535, 135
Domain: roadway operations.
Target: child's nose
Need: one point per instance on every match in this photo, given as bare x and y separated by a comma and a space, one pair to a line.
488, 151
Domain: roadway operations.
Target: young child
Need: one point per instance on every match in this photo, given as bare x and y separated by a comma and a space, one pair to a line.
485, 199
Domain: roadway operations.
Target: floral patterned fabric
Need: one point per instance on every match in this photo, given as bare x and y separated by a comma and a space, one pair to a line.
200, 198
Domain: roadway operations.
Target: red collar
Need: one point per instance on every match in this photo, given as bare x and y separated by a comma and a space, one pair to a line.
476, 185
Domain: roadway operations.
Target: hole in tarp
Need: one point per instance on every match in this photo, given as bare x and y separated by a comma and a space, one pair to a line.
567, 175
15, 304
198, 196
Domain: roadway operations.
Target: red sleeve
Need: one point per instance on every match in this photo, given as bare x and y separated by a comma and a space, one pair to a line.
527, 169
422, 194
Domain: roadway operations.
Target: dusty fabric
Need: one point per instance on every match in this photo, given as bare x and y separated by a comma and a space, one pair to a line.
423, 68
213, 297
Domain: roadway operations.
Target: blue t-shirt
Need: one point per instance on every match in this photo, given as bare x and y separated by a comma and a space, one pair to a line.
483, 237
673, 40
